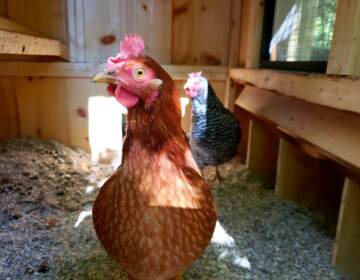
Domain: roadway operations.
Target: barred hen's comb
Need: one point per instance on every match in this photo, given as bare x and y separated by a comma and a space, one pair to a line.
195, 75
132, 46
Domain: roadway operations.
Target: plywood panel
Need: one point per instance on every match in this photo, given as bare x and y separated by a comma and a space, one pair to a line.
9, 117
47, 17
200, 32
107, 22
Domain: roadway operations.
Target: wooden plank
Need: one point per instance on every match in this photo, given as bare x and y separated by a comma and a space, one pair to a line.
18, 43
47, 17
78, 91
234, 36
335, 133
254, 34
244, 31
346, 257
10, 25
335, 92
102, 31
313, 183
9, 115
201, 32
3, 8
62, 69
43, 108
107, 22
76, 30
152, 20
262, 150
344, 56
58, 108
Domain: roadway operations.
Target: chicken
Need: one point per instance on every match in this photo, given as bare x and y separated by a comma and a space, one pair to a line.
155, 215
215, 133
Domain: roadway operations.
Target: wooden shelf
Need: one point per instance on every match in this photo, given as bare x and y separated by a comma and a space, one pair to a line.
337, 92
332, 132
16, 39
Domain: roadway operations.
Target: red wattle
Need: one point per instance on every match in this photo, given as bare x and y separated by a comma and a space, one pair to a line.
125, 97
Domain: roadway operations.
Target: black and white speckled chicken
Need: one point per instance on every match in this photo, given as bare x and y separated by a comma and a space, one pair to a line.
215, 133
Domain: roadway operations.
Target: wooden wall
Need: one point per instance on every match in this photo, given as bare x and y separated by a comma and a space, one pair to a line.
57, 107
175, 32
192, 32
46, 104
46, 17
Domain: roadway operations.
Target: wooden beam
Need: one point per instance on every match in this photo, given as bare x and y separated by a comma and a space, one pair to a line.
75, 17
335, 133
10, 25
9, 113
346, 257
314, 183
87, 70
335, 92
262, 150
47, 17
23, 44
344, 56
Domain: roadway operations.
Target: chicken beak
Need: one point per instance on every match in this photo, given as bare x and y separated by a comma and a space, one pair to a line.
106, 77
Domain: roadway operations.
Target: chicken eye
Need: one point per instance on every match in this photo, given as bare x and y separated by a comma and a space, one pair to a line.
139, 72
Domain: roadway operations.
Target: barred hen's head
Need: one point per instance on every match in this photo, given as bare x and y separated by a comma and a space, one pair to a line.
196, 85
132, 77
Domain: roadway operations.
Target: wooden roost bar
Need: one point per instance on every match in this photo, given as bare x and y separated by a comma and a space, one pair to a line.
301, 130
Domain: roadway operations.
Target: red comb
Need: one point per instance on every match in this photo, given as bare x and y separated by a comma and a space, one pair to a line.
130, 47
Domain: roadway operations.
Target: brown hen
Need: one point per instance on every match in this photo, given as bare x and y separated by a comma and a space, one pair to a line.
155, 215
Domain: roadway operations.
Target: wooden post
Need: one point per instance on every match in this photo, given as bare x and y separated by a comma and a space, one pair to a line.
345, 47
255, 26
346, 256
262, 150
308, 181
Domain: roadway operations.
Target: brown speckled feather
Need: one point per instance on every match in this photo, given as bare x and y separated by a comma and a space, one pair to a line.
155, 215
154, 223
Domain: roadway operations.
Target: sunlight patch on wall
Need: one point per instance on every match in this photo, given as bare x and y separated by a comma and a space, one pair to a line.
105, 129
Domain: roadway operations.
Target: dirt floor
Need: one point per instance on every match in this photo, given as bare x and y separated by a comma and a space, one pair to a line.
45, 186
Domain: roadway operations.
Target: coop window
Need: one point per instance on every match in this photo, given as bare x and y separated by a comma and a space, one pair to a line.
297, 34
